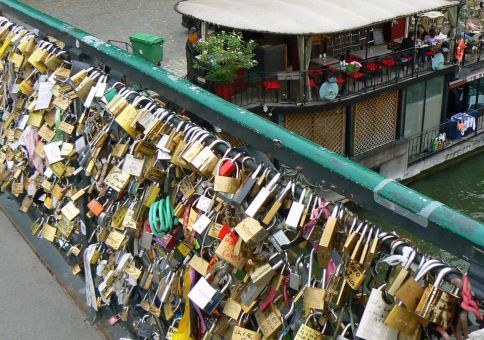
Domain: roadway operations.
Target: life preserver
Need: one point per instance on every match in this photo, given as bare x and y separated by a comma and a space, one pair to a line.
461, 46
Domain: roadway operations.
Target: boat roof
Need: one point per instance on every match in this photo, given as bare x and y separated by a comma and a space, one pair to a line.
304, 17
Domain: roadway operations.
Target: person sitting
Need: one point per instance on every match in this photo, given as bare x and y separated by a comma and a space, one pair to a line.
421, 32
408, 43
432, 37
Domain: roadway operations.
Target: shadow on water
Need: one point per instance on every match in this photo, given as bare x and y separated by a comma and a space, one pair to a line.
460, 187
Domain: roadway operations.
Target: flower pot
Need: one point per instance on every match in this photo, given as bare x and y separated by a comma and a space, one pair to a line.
240, 83
224, 91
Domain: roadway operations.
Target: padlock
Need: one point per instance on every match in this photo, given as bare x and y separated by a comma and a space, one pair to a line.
145, 328
262, 196
284, 332
294, 275
205, 202
352, 238
133, 165
338, 288
173, 328
399, 274
250, 231
207, 160
266, 271
372, 326
245, 189
54, 60
240, 331
306, 332
269, 217
96, 207
344, 332
194, 145
410, 292
295, 212
182, 146
326, 243
226, 184
37, 226
314, 297
436, 305
230, 166
207, 297
355, 274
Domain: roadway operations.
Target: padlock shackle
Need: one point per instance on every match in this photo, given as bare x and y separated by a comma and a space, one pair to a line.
443, 273
428, 268
411, 257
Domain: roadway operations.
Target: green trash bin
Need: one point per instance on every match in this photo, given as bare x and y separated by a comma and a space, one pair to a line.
148, 46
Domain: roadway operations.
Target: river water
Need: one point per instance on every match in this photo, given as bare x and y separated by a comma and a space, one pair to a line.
460, 186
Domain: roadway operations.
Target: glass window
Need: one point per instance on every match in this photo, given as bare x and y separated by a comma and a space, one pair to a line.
433, 103
414, 109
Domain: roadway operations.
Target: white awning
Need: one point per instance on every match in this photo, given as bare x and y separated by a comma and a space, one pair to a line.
301, 17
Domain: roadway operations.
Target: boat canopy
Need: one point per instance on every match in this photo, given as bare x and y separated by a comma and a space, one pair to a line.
304, 17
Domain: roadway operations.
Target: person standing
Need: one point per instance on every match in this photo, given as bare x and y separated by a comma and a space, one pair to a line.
191, 53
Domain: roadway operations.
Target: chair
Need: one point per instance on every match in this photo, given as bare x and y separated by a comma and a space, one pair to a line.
272, 85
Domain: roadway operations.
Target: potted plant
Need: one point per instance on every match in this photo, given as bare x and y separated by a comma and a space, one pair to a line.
225, 55
352, 67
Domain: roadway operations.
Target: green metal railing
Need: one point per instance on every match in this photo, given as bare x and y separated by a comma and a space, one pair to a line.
412, 211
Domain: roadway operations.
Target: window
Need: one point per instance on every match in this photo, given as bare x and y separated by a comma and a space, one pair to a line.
476, 94
423, 106
433, 103
414, 109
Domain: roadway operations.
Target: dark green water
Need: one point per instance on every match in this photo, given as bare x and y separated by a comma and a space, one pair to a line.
460, 187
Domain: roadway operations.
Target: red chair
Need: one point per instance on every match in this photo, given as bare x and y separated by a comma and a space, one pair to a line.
356, 75
372, 67
272, 85
430, 53
388, 62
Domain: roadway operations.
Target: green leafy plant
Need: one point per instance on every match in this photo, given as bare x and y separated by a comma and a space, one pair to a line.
353, 67
222, 54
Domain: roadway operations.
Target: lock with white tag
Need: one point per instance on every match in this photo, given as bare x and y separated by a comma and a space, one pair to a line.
296, 211
262, 196
207, 297
371, 325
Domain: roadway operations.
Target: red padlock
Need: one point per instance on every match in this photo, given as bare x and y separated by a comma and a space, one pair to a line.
228, 167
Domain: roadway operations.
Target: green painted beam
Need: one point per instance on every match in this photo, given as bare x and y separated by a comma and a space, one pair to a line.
417, 213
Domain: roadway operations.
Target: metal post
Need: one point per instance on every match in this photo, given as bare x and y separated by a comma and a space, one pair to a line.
415, 53
349, 131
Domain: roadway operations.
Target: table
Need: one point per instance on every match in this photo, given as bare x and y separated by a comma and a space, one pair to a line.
324, 61
373, 51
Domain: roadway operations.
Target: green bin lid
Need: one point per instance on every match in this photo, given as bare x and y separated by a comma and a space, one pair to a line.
146, 38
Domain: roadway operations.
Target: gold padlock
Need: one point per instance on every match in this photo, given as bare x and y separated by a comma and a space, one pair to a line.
207, 160
411, 291
226, 184
437, 305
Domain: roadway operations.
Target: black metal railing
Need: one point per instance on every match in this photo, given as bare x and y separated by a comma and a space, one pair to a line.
445, 135
293, 87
